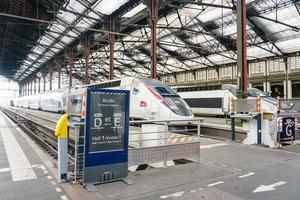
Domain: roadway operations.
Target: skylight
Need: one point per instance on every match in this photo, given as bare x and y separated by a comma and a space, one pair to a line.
109, 6
135, 10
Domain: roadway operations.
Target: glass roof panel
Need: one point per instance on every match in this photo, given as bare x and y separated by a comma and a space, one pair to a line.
109, 6
76, 6
256, 52
289, 46
67, 16
135, 10
211, 13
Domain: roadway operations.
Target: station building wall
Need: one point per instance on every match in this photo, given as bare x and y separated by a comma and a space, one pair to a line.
279, 76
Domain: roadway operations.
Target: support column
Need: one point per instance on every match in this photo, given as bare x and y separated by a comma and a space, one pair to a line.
44, 80
34, 86
154, 19
87, 46
289, 89
71, 63
59, 66
31, 87
286, 81
111, 40
242, 48
20, 89
51, 76
27, 88
39, 85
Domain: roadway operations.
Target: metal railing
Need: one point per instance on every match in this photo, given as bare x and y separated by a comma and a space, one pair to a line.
164, 140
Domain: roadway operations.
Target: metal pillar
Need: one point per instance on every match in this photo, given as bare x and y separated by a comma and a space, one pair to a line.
242, 48
31, 87
154, 19
87, 46
51, 76
39, 85
71, 63
20, 89
27, 88
44, 80
34, 86
59, 66
286, 92
111, 40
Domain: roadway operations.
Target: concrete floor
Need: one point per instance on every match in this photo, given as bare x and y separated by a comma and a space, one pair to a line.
231, 171
42, 186
227, 171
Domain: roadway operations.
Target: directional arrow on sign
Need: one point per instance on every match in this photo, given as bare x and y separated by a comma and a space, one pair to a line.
266, 188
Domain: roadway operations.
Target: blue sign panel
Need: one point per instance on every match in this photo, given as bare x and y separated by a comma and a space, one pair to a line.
106, 133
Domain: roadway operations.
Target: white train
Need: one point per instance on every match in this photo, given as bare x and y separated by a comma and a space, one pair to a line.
212, 100
49, 101
149, 99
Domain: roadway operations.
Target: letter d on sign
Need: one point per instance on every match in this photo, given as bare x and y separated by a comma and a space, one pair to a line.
97, 122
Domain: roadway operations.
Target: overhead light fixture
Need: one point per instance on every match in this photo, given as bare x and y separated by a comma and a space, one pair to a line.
135, 10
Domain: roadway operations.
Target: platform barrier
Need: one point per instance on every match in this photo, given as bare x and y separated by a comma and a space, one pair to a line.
164, 140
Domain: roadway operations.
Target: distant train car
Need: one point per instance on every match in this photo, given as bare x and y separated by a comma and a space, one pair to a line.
149, 99
21, 102
34, 101
213, 100
52, 101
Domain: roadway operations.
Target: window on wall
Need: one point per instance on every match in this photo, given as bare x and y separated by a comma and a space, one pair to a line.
276, 65
180, 78
201, 75
294, 63
296, 89
277, 90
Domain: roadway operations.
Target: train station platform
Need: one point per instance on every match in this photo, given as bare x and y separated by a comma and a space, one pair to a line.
23, 175
227, 170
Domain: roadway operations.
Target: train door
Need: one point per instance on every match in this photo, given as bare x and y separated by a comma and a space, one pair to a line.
277, 90
296, 89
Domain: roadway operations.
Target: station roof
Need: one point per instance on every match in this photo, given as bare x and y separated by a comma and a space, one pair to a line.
191, 34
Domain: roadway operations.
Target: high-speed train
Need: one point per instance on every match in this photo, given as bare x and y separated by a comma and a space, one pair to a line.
149, 99
50, 101
214, 100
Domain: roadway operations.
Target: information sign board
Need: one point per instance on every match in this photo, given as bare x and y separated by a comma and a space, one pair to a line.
106, 135
288, 129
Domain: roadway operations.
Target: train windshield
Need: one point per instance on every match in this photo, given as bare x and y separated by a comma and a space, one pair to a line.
252, 92
168, 97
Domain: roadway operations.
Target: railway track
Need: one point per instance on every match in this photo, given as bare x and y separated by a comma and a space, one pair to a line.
40, 129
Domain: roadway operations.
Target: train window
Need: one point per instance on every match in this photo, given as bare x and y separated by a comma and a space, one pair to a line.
162, 90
